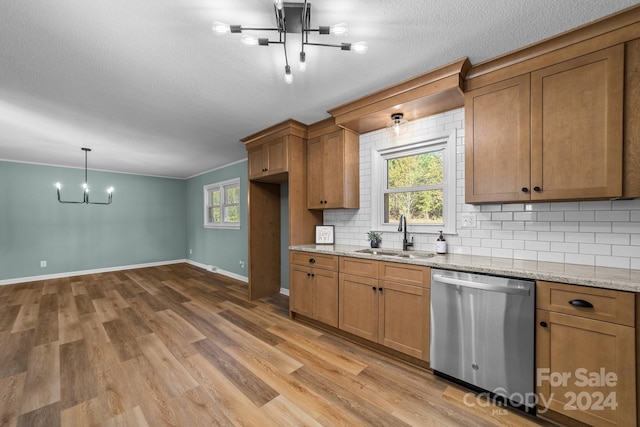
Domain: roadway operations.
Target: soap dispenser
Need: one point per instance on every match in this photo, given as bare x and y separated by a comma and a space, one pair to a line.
441, 244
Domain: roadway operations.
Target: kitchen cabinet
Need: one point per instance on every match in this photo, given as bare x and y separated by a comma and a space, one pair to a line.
282, 150
313, 282
269, 158
586, 354
333, 173
555, 133
390, 308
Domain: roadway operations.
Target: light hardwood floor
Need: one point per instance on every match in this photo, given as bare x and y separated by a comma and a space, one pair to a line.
179, 346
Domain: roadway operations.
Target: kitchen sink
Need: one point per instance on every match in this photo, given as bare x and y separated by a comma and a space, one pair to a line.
397, 254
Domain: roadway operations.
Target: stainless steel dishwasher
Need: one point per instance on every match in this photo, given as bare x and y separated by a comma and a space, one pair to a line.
482, 333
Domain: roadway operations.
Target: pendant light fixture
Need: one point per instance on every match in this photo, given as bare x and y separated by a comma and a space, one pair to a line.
291, 18
85, 187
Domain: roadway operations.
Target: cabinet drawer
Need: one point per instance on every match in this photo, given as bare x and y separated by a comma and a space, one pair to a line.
310, 259
608, 305
359, 267
405, 273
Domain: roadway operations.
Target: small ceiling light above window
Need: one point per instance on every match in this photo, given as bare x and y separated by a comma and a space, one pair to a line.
397, 123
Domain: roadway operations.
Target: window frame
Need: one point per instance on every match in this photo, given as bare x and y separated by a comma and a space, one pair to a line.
444, 142
223, 186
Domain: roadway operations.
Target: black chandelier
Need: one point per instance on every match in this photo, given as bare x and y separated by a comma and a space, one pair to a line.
85, 187
291, 18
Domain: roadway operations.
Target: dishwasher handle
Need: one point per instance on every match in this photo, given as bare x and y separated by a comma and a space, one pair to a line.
482, 286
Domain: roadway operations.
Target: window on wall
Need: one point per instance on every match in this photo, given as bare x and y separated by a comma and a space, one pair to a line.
415, 178
222, 204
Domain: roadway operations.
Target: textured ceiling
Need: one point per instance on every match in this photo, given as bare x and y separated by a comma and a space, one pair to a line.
150, 88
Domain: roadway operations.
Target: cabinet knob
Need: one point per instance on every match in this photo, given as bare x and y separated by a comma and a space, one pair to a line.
374, 288
536, 188
380, 289
525, 190
580, 303
313, 275
308, 274
312, 260
543, 324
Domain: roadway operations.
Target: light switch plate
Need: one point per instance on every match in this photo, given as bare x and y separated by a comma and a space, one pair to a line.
468, 220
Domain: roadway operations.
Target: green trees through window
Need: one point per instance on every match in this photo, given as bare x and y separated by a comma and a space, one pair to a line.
415, 188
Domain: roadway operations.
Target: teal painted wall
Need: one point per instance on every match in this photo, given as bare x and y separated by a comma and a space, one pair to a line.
145, 223
217, 247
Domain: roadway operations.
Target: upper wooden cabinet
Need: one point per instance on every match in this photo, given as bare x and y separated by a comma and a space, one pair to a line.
553, 134
268, 159
333, 167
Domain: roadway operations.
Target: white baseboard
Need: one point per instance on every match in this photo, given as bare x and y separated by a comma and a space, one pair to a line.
215, 269
83, 272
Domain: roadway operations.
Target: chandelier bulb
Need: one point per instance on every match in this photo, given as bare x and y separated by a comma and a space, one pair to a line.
278, 4
220, 28
340, 29
248, 40
58, 185
303, 62
360, 47
110, 190
288, 77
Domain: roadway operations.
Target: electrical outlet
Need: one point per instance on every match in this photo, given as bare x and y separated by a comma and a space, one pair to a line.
468, 220
190, 251
241, 264
43, 264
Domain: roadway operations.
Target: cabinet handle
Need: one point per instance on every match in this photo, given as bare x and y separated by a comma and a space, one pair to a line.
308, 274
380, 289
374, 288
312, 260
525, 190
313, 275
543, 324
580, 303
536, 188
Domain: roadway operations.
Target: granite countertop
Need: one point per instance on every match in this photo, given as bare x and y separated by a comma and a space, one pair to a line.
599, 277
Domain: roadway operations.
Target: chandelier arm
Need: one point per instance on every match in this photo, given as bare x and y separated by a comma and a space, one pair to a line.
259, 29
341, 46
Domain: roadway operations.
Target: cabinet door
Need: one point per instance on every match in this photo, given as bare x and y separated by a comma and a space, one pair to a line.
277, 156
333, 167
497, 142
257, 162
301, 290
325, 296
576, 127
578, 348
315, 187
404, 318
359, 306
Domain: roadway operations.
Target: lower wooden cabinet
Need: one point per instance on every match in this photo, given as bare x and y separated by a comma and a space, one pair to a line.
314, 291
586, 367
391, 313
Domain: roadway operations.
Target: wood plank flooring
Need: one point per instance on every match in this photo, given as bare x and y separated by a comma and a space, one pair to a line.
179, 346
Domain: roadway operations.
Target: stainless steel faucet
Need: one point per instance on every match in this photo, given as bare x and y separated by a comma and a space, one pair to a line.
403, 227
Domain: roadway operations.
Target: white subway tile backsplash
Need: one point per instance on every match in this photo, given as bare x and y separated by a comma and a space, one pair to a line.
580, 259
613, 216
596, 206
565, 226
579, 216
614, 262
580, 237
572, 248
603, 233
550, 216
612, 239
534, 245
596, 227
551, 256
595, 249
